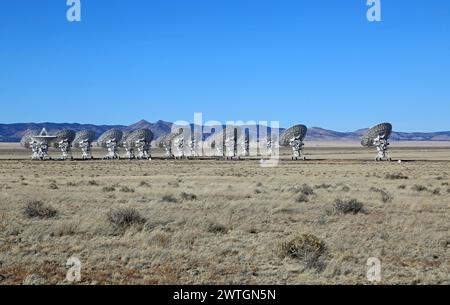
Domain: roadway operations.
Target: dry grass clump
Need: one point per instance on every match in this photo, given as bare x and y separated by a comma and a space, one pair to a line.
169, 198
385, 197
436, 191
108, 189
37, 209
307, 248
419, 188
53, 186
126, 189
396, 176
144, 183
188, 196
323, 186
216, 228
92, 182
348, 206
301, 198
124, 218
304, 189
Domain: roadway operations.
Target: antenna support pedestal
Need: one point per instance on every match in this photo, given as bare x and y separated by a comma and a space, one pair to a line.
297, 148
383, 149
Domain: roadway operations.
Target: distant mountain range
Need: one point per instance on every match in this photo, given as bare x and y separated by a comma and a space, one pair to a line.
14, 132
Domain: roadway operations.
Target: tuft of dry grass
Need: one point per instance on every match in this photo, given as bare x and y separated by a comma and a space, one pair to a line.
301, 198
419, 188
37, 209
144, 184
108, 189
169, 198
307, 248
216, 228
397, 176
126, 189
385, 196
124, 218
188, 196
303, 189
53, 186
348, 206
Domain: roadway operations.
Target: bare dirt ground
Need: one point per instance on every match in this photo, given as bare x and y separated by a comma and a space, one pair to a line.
228, 222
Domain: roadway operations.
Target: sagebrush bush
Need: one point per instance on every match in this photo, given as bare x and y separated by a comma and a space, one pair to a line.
419, 188
143, 183
345, 188
126, 189
323, 186
214, 227
307, 248
125, 217
436, 191
107, 189
37, 209
350, 206
169, 198
303, 189
385, 197
92, 182
301, 198
396, 176
188, 196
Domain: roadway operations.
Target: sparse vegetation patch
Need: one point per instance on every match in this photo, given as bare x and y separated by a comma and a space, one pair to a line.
37, 209
348, 206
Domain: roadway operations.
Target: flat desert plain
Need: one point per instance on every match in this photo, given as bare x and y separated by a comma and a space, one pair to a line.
318, 221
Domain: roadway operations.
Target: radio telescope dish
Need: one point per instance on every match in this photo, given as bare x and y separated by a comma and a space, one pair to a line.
141, 140
27, 137
65, 134
144, 134
175, 139
84, 136
378, 137
294, 137
112, 134
39, 145
297, 131
111, 140
383, 130
83, 139
63, 141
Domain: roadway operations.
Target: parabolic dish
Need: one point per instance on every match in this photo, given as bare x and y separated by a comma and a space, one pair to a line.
65, 134
168, 138
145, 134
108, 135
381, 130
28, 137
294, 131
84, 135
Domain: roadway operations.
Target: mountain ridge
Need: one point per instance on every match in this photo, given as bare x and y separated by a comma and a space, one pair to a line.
13, 132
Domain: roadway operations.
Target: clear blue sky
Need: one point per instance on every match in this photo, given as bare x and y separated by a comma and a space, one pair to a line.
317, 62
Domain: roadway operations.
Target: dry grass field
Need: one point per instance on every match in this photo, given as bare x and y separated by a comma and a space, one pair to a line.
228, 222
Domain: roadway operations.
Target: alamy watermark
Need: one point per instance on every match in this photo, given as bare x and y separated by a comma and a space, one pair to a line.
74, 273
230, 140
374, 270
374, 11
74, 11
